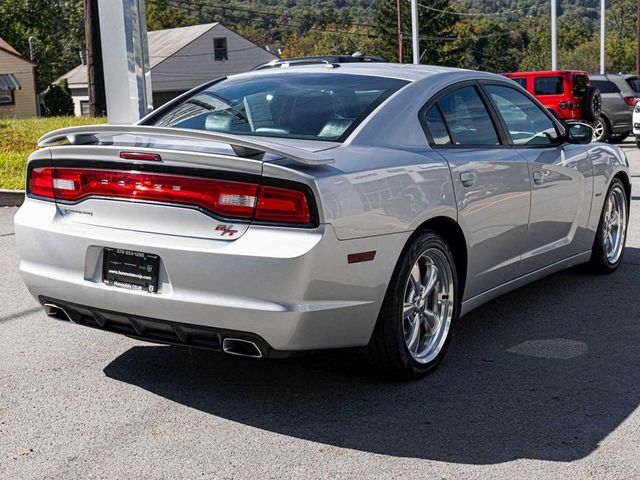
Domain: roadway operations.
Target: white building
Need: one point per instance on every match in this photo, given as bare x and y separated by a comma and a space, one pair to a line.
183, 58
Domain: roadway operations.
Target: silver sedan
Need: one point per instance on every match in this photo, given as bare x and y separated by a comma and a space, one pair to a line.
318, 207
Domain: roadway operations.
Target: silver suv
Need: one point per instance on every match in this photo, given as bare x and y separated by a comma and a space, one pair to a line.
619, 96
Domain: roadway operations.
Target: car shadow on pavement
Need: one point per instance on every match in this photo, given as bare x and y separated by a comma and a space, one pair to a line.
546, 372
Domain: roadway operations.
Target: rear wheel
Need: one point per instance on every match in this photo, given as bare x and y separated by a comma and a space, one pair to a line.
608, 246
414, 326
601, 130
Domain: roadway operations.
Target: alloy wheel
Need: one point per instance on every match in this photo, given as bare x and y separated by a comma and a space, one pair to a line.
615, 224
428, 305
598, 130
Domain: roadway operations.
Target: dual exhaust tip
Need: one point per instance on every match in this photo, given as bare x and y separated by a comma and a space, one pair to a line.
232, 346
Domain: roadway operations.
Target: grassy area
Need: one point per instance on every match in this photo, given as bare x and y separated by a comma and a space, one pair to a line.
19, 137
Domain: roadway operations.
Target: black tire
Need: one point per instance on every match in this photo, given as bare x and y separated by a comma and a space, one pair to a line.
591, 104
387, 351
605, 130
619, 137
599, 262
637, 141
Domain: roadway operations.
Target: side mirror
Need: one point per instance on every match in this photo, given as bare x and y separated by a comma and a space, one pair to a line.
579, 133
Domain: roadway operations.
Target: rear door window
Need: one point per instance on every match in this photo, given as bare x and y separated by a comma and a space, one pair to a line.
605, 86
548, 86
467, 118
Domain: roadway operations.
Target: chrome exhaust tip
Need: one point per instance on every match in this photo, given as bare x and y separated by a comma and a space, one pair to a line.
241, 347
54, 311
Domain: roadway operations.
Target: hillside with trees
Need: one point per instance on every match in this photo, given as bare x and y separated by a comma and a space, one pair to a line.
493, 35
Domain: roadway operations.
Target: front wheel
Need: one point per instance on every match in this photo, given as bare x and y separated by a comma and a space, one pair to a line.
414, 326
608, 246
601, 130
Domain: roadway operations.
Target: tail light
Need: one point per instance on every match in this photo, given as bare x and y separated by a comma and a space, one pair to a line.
632, 100
226, 198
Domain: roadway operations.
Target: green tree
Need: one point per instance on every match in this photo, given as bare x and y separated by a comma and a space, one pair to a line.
435, 27
58, 101
57, 27
162, 15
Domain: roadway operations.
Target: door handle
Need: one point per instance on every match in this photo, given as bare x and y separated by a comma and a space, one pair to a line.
538, 177
468, 179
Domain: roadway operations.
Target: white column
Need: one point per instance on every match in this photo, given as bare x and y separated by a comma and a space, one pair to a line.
125, 57
414, 32
602, 37
554, 36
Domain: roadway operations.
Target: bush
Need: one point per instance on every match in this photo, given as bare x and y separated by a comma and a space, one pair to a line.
58, 101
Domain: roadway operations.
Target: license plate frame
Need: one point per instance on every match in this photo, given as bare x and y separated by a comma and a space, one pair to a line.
130, 269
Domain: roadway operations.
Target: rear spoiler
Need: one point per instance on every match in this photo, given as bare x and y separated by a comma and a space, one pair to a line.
241, 145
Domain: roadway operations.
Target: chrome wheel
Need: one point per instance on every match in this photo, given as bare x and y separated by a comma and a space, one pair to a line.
614, 226
598, 130
428, 305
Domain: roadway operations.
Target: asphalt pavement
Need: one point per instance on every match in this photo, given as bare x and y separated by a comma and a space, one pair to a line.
541, 383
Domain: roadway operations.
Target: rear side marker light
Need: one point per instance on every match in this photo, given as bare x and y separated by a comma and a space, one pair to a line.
361, 257
226, 198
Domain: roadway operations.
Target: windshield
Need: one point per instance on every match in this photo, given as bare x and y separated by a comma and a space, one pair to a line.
301, 105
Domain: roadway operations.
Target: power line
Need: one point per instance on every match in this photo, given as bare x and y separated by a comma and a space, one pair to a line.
488, 14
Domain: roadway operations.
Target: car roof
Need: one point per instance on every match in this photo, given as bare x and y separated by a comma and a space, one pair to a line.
400, 71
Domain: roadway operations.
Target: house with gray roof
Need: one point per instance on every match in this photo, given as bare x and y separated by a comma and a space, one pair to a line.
183, 58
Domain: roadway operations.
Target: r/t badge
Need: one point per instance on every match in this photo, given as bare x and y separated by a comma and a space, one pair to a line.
226, 230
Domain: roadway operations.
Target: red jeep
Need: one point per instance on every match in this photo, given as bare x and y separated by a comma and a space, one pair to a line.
568, 94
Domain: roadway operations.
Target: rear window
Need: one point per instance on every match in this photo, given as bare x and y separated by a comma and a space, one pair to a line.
292, 105
548, 86
605, 86
634, 83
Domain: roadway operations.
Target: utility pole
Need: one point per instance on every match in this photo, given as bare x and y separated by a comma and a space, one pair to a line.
400, 53
414, 32
554, 36
602, 37
95, 73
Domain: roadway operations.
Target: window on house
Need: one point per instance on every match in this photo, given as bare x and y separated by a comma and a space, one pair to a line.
6, 97
220, 52
84, 108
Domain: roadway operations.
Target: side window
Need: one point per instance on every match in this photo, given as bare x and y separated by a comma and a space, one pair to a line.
605, 86
467, 118
521, 81
436, 126
548, 86
526, 122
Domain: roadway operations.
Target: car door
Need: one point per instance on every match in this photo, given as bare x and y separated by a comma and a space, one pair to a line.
561, 179
491, 184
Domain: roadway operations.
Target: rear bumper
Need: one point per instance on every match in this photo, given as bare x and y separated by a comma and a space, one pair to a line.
292, 288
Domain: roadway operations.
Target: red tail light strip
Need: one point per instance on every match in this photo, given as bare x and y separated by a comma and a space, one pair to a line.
222, 197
